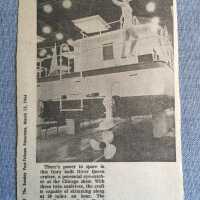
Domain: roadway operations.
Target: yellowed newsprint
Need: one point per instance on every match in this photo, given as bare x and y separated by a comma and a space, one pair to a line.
98, 100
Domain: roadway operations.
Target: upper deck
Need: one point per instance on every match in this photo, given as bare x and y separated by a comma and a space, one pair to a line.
101, 49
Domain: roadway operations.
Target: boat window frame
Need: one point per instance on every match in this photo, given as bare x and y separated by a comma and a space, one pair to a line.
108, 45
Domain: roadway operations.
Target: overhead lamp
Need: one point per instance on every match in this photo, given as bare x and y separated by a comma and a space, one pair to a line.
48, 56
42, 52
47, 8
59, 36
46, 29
65, 48
67, 4
151, 7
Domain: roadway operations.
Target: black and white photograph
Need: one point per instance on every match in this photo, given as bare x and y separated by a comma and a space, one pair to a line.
105, 81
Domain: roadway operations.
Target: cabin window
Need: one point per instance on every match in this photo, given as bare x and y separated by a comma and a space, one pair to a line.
145, 58
67, 62
108, 51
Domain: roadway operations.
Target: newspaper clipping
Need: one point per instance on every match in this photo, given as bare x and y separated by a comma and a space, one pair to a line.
98, 100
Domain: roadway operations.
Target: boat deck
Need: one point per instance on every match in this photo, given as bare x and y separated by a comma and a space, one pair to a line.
106, 70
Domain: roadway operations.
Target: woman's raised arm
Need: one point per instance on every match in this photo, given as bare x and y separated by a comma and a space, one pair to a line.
117, 2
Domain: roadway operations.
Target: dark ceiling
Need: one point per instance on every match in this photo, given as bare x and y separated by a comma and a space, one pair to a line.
60, 18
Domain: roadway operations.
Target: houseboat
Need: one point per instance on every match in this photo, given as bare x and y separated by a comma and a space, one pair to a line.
89, 78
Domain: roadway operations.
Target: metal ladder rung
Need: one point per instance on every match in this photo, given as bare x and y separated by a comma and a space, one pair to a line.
68, 110
78, 109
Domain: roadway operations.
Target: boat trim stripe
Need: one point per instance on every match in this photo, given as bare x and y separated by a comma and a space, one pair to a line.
109, 70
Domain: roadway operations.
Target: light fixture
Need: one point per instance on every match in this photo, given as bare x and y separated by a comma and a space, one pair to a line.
47, 8
46, 29
59, 36
48, 56
42, 52
151, 7
67, 4
65, 48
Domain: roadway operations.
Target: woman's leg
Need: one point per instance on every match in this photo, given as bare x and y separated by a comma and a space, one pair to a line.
133, 38
126, 37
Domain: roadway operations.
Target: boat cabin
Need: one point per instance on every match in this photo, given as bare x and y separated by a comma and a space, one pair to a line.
102, 44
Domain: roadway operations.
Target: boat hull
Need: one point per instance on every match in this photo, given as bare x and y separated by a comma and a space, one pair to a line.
140, 89
123, 107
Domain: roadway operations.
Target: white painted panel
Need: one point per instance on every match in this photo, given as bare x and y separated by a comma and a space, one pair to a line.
153, 81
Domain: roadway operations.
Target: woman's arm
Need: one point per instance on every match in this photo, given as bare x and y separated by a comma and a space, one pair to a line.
117, 3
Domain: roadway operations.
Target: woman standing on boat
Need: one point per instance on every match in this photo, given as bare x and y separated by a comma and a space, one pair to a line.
126, 20
127, 12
